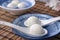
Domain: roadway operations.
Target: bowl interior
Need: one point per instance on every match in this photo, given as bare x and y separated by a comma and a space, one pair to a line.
3, 3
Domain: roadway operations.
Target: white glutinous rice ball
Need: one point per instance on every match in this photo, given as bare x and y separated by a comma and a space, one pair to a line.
10, 5
36, 30
13, 4
32, 20
22, 5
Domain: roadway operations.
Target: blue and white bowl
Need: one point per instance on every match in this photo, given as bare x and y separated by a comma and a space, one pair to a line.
3, 4
53, 29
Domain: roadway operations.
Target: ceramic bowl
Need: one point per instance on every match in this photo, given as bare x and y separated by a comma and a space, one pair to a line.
53, 29
16, 11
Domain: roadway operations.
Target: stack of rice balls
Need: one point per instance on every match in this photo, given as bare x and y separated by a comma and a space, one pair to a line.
35, 27
17, 4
